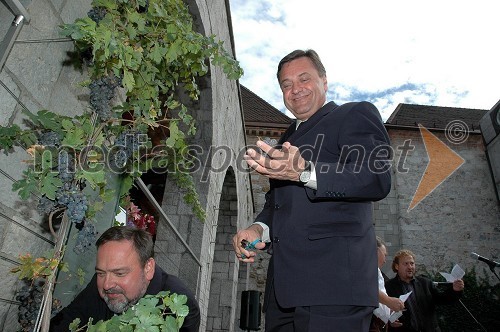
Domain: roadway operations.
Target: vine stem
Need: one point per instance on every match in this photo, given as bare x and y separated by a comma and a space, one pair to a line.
43, 320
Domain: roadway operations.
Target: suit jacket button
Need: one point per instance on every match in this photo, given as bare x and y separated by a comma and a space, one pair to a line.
277, 206
276, 239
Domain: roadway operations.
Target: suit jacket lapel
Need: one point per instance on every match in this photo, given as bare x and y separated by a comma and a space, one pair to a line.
290, 130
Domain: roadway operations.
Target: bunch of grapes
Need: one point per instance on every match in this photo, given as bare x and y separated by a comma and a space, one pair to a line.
97, 14
65, 166
30, 296
75, 201
49, 138
126, 144
86, 237
46, 205
102, 90
70, 194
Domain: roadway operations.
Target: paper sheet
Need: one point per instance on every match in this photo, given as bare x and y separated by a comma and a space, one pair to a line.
396, 314
456, 273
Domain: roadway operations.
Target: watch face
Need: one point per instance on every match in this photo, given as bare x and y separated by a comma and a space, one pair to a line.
498, 117
305, 176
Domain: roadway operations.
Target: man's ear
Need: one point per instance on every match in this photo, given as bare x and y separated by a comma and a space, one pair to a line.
149, 268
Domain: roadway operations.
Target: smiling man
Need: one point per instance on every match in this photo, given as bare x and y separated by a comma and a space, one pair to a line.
329, 167
125, 272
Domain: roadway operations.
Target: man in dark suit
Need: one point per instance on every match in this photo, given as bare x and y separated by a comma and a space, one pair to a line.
324, 176
420, 313
125, 272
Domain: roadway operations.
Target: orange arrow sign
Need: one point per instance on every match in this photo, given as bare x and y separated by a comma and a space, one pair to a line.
443, 162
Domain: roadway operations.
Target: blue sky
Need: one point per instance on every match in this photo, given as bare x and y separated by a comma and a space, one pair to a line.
428, 52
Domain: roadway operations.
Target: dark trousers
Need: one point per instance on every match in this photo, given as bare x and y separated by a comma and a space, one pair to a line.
330, 318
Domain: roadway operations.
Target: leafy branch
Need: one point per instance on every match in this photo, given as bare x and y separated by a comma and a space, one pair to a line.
40, 267
148, 51
161, 312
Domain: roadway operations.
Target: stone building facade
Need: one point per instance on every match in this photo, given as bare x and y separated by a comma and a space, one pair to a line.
460, 214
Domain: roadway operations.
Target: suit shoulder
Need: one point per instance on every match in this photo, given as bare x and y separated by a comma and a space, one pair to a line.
357, 105
359, 111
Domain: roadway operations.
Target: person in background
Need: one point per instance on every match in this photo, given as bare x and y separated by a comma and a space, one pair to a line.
420, 313
328, 168
125, 272
380, 322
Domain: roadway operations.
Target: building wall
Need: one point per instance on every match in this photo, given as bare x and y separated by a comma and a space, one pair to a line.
460, 216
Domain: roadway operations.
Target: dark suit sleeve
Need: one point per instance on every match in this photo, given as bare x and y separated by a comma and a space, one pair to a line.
444, 294
264, 215
362, 171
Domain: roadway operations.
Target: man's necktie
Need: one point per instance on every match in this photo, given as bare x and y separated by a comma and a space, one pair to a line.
412, 306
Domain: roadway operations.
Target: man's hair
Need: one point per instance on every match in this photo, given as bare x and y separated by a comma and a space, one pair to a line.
142, 240
400, 254
311, 54
380, 242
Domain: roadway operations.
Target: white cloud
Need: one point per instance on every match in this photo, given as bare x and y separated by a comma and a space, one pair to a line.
445, 53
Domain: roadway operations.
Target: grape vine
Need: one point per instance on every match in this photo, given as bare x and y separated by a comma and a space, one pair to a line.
145, 51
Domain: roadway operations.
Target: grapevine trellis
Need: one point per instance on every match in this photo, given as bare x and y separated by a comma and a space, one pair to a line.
146, 51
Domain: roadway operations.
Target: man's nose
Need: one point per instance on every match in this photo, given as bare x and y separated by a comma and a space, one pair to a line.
109, 282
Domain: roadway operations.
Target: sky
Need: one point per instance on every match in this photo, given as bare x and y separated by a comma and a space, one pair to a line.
426, 52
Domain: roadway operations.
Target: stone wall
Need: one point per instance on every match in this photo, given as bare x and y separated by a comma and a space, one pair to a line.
460, 216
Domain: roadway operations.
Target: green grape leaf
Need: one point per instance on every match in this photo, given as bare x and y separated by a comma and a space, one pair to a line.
27, 185
175, 134
73, 326
100, 326
109, 4
49, 120
94, 178
157, 52
128, 80
115, 324
49, 184
126, 185
75, 137
176, 303
170, 325
8, 136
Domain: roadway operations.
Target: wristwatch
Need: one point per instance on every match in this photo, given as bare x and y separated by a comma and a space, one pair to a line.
305, 175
